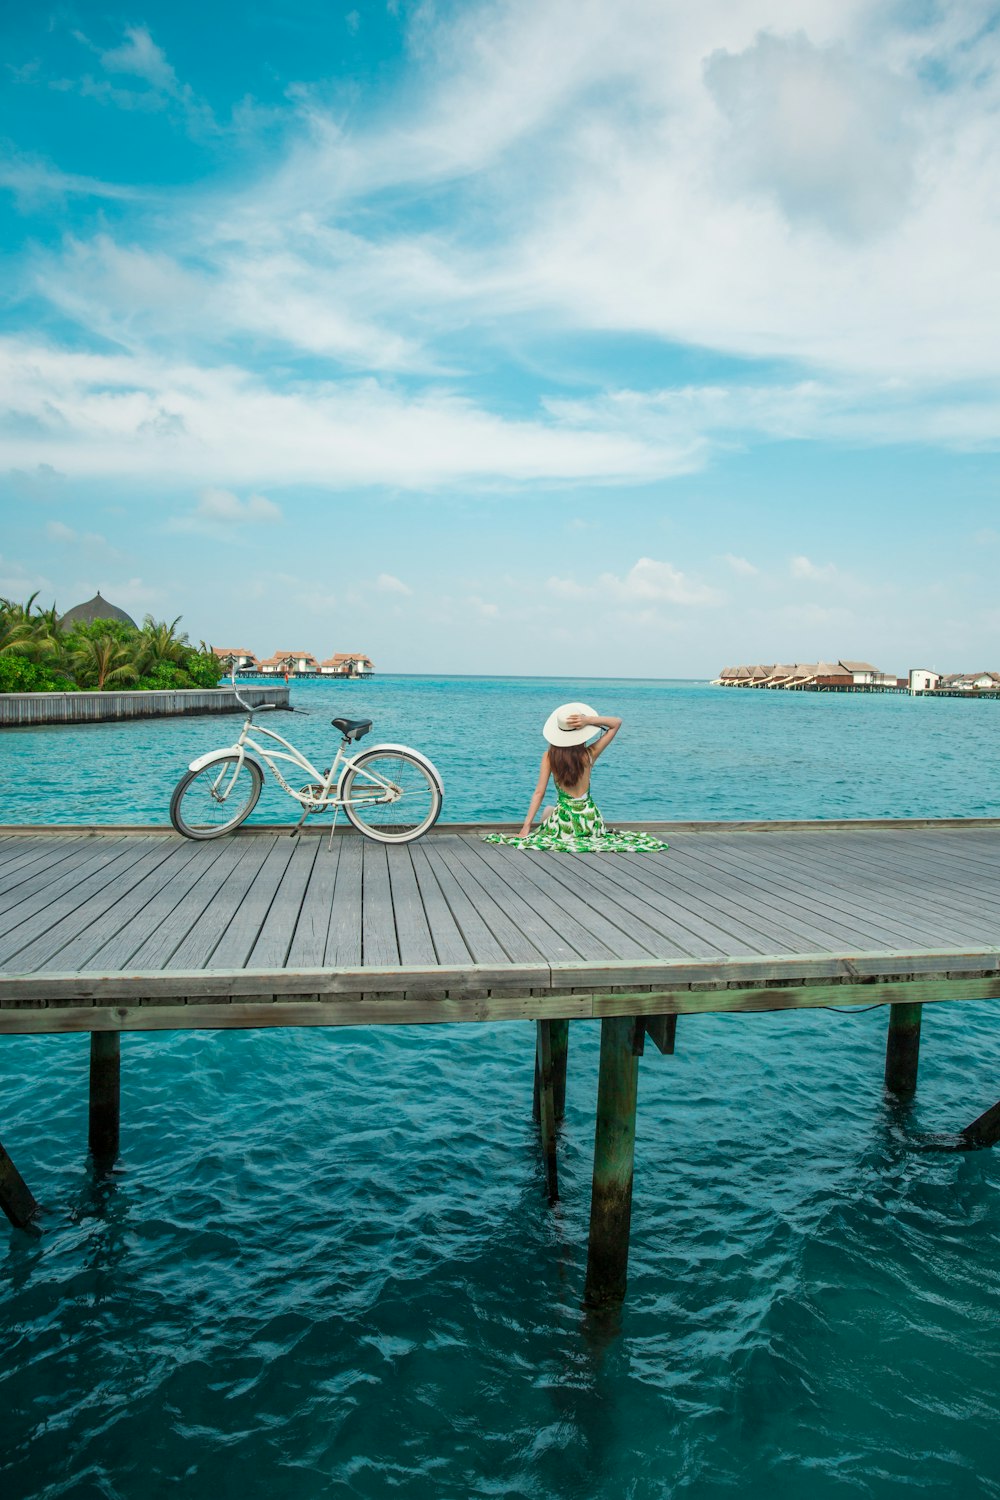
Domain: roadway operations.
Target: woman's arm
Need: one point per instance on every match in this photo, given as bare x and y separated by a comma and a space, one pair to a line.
608, 723
544, 773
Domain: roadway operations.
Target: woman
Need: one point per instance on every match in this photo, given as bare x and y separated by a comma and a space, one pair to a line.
575, 822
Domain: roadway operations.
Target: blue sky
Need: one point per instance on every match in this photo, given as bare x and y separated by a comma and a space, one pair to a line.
553, 336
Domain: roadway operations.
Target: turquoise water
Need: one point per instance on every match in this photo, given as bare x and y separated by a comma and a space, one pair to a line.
326, 1267
687, 750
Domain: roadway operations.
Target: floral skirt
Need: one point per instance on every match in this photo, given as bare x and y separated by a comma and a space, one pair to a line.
575, 824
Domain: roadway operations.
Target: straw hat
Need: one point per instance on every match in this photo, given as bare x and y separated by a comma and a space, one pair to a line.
556, 732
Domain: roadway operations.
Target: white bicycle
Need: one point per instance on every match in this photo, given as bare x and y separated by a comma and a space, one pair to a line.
390, 792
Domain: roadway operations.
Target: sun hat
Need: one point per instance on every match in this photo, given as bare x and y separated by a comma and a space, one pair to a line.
554, 728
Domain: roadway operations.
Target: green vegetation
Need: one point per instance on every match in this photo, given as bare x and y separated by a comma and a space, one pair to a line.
37, 657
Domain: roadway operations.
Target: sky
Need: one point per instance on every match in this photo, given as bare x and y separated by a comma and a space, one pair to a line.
553, 337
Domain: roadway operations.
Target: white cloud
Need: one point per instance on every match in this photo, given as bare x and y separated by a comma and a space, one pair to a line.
224, 506
648, 582
140, 57
825, 132
802, 567
741, 566
388, 583
119, 415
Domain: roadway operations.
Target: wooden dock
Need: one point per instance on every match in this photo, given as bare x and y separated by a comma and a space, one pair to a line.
111, 930
21, 710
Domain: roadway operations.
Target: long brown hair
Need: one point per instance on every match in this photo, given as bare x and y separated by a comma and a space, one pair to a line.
568, 763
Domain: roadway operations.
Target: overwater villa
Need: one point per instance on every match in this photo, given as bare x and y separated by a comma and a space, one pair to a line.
859, 677
351, 664
838, 676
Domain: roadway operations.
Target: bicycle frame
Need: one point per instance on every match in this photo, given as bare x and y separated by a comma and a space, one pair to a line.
377, 790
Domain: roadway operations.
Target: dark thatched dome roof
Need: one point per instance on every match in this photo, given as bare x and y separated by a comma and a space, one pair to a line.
95, 609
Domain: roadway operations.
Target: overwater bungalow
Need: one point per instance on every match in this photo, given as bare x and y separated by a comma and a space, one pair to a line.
838, 676
347, 664
230, 657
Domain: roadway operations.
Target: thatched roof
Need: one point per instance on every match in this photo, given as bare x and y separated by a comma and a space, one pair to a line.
95, 609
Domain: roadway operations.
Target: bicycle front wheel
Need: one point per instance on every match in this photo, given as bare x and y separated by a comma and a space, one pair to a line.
216, 799
391, 796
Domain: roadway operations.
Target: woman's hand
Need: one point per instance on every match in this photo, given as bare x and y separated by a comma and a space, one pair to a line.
579, 721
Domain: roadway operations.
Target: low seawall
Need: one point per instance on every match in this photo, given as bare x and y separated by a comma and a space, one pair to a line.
20, 709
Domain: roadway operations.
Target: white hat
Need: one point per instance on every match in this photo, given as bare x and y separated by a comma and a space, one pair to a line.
555, 731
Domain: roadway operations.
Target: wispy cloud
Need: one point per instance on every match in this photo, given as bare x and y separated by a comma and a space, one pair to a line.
648, 582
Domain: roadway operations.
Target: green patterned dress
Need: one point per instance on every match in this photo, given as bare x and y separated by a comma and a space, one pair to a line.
575, 824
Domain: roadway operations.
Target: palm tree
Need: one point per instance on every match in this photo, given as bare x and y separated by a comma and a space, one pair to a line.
27, 632
159, 643
101, 661
15, 632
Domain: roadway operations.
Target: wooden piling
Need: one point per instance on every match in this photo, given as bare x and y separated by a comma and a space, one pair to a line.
105, 1095
614, 1150
902, 1049
546, 1101
16, 1198
985, 1130
559, 1036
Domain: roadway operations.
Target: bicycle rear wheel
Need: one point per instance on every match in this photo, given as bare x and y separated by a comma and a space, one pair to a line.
400, 805
216, 799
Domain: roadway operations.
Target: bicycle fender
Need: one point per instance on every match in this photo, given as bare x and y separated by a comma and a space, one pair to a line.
214, 755
427, 764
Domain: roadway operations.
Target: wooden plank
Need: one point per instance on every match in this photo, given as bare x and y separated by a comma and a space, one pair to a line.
750, 919
37, 935
898, 907
413, 933
22, 862
554, 942
667, 937
424, 1010
621, 870
793, 891
47, 884
243, 1016
449, 945
488, 932
343, 946
243, 927
308, 945
379, 944
850, 970
270, 950
192, 928
120, 949
783, 870
921, 896
130, 914
594, 919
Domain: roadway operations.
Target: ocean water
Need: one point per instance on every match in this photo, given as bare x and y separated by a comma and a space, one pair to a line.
325, 1265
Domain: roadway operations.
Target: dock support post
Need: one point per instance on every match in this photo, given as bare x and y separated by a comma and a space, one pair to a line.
546, 1103
902, 1049
984, 1131
559, 1036
614, 1150
105, 1096
16, 1198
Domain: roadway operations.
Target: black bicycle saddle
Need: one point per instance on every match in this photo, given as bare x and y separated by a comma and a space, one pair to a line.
352, 729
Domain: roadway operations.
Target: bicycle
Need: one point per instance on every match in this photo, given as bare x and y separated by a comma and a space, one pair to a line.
220, 790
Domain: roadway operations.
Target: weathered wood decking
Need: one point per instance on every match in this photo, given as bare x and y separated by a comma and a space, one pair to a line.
123, 930
141, 930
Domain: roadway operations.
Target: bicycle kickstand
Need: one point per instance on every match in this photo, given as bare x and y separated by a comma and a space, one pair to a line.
298, 827
333, 825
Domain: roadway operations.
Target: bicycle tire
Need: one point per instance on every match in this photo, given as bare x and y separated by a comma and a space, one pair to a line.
423, 791
188, 824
